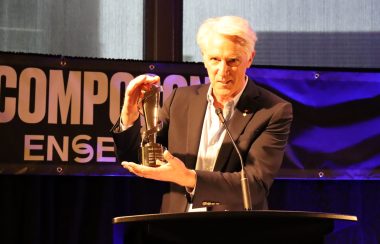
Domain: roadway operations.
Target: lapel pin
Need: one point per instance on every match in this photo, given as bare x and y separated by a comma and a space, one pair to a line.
245, 112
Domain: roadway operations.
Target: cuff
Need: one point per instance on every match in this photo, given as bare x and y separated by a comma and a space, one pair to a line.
191, 191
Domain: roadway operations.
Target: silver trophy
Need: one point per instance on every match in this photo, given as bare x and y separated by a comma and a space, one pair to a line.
150, 151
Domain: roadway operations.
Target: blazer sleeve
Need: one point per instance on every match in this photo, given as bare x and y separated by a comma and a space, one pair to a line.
127, 142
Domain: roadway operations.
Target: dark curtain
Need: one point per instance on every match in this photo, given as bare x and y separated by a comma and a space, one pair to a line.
70, 209
352, 197
51, 209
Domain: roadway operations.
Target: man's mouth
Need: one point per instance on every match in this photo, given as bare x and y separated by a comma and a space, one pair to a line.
225, 82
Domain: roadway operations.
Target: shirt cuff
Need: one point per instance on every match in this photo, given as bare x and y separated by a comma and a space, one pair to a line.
191, 191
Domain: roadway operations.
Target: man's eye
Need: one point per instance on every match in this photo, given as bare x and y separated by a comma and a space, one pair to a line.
214, 60
233, 62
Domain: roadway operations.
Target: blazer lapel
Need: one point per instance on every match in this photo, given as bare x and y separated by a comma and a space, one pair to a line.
245, 109
197, 110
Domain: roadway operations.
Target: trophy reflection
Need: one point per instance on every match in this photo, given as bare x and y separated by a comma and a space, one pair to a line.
150, 151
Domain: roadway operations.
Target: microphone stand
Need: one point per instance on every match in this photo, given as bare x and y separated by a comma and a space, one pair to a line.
247, 201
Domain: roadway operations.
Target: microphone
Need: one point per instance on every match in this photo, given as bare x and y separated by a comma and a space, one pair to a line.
247, 202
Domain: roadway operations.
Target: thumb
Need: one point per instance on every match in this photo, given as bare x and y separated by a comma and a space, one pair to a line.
168, 156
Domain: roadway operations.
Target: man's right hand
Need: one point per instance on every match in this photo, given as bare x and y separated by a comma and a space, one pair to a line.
135, 90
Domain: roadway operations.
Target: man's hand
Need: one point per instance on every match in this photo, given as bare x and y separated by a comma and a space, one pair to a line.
173, 171
135, 90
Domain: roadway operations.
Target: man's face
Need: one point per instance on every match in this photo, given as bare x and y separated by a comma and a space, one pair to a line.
226, 62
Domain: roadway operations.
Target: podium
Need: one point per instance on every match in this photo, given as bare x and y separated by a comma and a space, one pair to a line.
265, 226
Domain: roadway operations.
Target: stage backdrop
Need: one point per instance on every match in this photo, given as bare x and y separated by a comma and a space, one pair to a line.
56, 113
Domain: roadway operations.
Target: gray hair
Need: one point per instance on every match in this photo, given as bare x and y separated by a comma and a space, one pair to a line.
230, 27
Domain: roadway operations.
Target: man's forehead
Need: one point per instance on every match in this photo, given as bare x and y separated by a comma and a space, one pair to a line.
225, 53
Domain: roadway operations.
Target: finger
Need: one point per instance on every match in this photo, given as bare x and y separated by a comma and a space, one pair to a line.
126, 165
132, 93
139, 85
160, 163
134, 168
149, 81
152, 79
168, 156
144, 82
136, 82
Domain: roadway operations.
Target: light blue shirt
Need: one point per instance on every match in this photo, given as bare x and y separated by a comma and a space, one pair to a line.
212, 137
213, 131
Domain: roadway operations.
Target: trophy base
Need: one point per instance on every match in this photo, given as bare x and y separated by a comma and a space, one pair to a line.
150, 152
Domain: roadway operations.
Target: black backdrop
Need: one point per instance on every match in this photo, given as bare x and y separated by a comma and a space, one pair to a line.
79, 209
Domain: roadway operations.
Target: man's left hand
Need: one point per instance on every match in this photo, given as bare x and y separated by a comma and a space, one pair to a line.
173, 171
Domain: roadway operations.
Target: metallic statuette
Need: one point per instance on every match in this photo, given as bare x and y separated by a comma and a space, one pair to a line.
150, 151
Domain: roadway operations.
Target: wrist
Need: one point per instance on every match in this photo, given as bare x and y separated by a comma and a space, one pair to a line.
129, 119
191, 179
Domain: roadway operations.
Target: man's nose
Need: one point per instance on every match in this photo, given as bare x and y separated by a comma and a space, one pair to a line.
223, 68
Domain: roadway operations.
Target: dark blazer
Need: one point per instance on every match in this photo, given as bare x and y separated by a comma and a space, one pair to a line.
260, 127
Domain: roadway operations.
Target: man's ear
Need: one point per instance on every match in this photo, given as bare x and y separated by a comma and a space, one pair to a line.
251, 58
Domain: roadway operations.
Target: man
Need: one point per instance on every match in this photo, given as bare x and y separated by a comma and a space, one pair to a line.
202, 166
